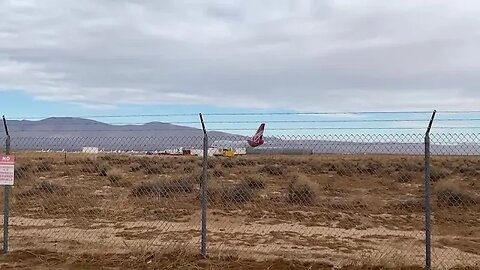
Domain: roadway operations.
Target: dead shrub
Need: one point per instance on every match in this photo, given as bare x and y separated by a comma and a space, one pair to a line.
438, 173
407, 205
302, 191
410, 165
386, 170
115, 177
168, 163
46, 187
319, 166
107, 157
237, 194
467, 170
189, 169
153, 168
452, 194
276, 170
405, 177
254, 183
345, 168
135, 167
163, 187
198, 176
228, 163
101, 168
22, 171
218, 173
313, 168
372, 167
213, 193
246, 162
72, 160
44, 166
339, 204
212, 163
86, 167
190, 160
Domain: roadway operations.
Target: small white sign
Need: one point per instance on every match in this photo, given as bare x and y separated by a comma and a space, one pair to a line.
7, 170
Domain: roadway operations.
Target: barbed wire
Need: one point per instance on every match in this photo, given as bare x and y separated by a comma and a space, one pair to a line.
36, 123
248, 114
249, 129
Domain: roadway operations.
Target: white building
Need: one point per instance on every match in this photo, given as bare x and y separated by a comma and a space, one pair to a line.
199, 152
90, 150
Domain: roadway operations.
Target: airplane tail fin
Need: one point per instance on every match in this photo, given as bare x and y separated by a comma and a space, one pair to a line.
257, 139
260, 129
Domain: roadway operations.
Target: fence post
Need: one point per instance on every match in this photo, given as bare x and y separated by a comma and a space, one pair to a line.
427, 195
203, 191
6, 193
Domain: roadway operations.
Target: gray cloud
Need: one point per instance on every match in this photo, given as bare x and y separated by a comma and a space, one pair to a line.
304, 55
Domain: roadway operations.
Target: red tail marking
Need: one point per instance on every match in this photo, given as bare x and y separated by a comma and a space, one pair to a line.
257, 139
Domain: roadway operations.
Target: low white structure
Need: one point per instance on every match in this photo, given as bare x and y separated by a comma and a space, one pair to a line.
90, 150
240, 151
199, 152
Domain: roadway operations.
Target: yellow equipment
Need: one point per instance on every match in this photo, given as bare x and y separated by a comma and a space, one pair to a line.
226, 152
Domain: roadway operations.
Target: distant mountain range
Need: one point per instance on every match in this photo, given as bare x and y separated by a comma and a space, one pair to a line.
79, 127
72, 134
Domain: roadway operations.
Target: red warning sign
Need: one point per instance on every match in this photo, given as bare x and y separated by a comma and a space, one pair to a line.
7, 170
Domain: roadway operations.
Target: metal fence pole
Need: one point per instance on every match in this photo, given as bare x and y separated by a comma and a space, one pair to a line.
6, 200
427, 195
203, 190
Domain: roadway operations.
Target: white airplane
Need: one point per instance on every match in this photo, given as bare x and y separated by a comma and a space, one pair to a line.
255, 141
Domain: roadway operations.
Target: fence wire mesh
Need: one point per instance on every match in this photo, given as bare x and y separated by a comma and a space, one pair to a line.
456, 200
114, 200
339, 199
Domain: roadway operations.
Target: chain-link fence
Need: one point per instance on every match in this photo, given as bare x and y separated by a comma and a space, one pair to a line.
456, 200
339, 199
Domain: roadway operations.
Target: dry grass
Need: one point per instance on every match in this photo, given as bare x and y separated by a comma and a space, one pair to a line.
212, 163
414, 205
302, 191
452, 194
228, 163
44, 166
409, 165
218, 172
189, 169
345, 168
213, 193
163, 187
406, 177
23, 171
276, 170
102, 168
252, 182
390, 204
153, 168
116, 178
371, 167
46, 188
135, 167
178, 259
467, 170
246, 162
237, 194
438, 173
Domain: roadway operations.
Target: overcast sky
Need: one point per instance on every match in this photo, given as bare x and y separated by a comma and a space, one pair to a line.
299, 55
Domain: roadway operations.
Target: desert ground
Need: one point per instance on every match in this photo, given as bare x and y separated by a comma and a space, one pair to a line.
298, 211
